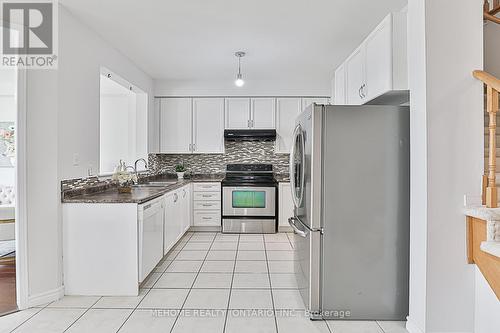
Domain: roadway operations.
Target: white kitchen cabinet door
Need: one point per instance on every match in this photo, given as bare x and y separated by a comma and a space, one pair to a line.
287, 110
285, 204
175, 125
237, 113
263, 113
185, 193
307, 101
378, 48
339, 86
355, 77
170, 228
154, 128
208, 125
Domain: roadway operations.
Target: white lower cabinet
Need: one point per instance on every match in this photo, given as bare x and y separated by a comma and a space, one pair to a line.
207, 204
285, 205
177, 216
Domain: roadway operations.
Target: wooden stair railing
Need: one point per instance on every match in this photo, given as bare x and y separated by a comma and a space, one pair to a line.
489, 12
489, 193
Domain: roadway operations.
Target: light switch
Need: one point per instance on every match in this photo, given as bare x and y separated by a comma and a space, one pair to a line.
76, 159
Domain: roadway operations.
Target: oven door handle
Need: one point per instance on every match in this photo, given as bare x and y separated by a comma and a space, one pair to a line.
301, 232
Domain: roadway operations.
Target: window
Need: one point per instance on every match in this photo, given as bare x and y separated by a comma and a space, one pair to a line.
123, 123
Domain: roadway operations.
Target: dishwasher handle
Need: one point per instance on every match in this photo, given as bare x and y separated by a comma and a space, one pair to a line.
301, 231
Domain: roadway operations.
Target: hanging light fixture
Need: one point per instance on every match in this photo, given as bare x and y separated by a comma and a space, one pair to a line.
239, 78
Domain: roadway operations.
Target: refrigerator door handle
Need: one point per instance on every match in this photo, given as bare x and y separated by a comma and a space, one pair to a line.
301, 232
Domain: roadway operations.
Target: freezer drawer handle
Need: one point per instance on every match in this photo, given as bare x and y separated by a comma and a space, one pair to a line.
299, 232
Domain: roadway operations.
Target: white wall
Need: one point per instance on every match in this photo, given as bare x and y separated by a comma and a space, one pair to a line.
82, 54
447, 129
116, 120
487, 307
62, 119
300, 87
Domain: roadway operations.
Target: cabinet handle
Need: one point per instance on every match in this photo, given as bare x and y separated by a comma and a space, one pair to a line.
359, 92
176, 197
207, 196
194, 147
363, 91
184, 194
207, 205
206, 218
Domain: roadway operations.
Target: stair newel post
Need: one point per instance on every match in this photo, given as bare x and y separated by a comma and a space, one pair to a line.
492, 109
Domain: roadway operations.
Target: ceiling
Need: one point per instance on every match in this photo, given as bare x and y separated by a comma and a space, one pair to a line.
196, 39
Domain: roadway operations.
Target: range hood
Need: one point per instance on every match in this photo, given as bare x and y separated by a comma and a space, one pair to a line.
250, 135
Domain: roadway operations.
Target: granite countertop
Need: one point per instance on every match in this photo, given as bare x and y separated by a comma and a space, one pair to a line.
282, 177
139, 195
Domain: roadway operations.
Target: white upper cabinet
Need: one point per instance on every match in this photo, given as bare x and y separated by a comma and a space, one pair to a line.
339, 94
250, 113
307, 101
238, 113
175, 125
208, 125
287, 110
263, 113
377, 67
355, 77
379, 60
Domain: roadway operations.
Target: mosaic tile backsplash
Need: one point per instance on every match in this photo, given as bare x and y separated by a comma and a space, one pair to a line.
235, 152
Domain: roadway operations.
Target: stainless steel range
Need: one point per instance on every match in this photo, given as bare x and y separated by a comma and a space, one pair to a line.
249, 199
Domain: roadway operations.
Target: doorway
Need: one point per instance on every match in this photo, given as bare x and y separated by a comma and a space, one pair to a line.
8, 119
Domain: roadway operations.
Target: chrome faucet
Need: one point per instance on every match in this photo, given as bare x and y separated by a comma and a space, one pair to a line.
135, 166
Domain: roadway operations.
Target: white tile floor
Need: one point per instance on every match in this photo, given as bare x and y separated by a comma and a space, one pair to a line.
209, 282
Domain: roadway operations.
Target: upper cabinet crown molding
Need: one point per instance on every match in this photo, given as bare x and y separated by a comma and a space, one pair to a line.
376, 68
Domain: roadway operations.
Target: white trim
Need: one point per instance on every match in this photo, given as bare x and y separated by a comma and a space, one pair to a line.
45, 297
411, 327
22, 290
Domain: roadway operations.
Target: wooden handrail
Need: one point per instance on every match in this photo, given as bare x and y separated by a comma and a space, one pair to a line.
489, 194
487, 79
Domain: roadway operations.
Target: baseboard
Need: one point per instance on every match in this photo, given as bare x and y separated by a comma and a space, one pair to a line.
411, 327
45, 297
211, 229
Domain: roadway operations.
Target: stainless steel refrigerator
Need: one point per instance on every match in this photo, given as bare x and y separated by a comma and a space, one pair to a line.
349, 171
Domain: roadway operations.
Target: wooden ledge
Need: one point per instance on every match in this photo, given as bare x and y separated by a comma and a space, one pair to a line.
488, 264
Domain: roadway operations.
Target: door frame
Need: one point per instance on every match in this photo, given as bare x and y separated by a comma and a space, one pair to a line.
21, 225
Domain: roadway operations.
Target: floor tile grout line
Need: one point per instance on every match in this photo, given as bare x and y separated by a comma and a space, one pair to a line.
83, 314
133, 310
231, 286
29, 318
271, 288
192, 285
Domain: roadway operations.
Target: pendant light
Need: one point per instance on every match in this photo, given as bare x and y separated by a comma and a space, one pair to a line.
239, 78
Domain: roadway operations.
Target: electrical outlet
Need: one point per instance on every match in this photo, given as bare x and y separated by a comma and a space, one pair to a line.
76, 159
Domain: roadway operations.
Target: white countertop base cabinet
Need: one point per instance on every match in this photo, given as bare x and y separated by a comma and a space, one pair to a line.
100, 249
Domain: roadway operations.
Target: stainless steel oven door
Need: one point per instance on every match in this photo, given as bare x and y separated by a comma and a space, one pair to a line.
248, 201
